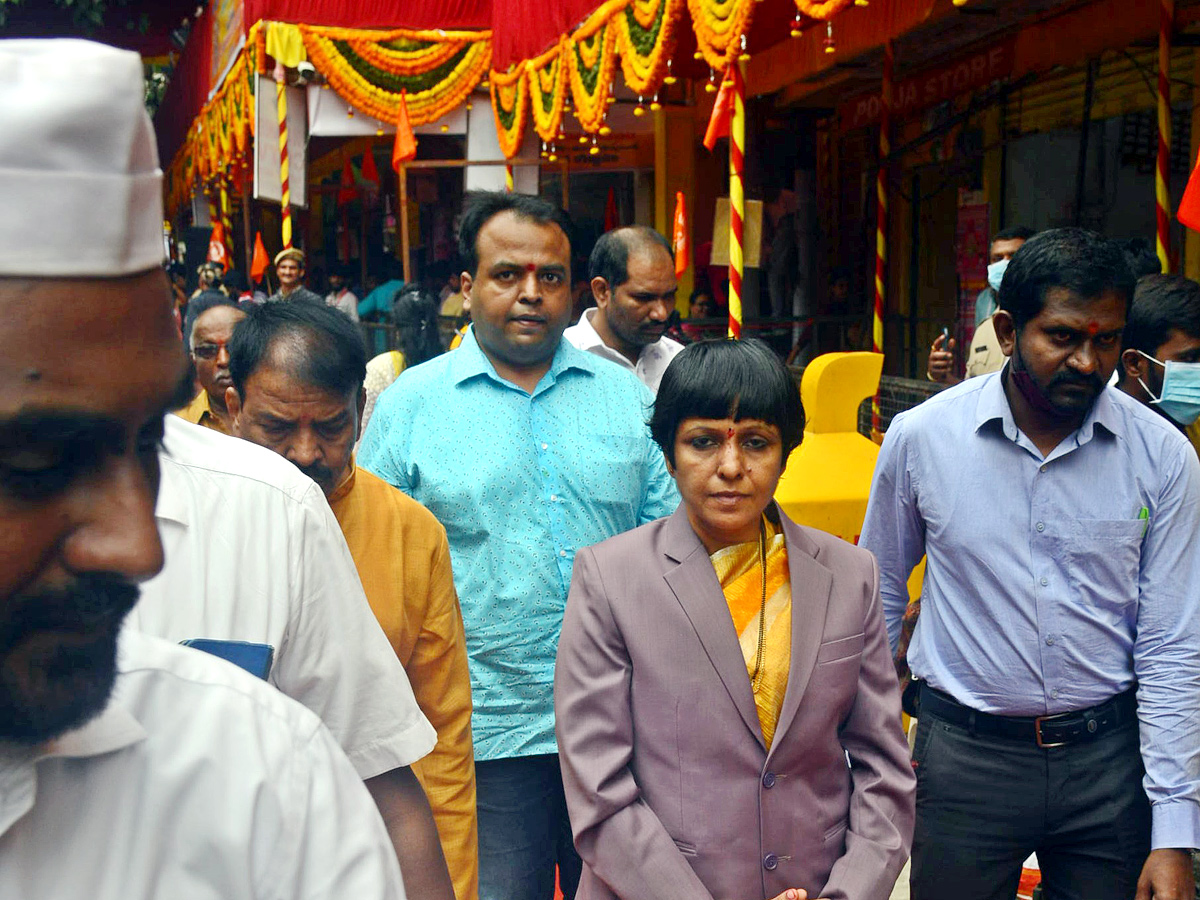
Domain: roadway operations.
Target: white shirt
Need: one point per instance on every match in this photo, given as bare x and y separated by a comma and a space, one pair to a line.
197, 781
253, 553
345, 301
652, 361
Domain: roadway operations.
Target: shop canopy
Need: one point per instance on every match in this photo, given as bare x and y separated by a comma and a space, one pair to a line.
534, 58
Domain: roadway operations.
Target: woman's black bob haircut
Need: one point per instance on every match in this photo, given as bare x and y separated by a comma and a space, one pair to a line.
727, 380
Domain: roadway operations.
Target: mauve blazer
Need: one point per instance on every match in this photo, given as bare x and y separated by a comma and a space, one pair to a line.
671, 790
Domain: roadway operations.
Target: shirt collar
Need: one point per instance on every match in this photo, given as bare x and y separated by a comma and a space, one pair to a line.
469, 361
172, 502
993, 406
346, 485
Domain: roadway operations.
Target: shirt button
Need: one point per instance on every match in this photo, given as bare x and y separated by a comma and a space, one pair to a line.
1050, 642
770, 862
1054, 693
554, 496
562, 552
1041, 526
547, 447
1045, 580
1043, 467
769, 780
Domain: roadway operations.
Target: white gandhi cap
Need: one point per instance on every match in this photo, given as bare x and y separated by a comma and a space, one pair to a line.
79, 175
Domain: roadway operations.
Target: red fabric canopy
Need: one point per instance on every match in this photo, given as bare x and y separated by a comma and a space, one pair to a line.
187, 91
522, 29
468, 14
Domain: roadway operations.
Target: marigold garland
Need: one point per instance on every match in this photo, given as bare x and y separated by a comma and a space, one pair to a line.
719, 27
375, 89
218, 143
646, 42
510, 102
591, 65
547, 80
821, 9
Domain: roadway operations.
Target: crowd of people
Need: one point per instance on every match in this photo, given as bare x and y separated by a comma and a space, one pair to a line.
524, 614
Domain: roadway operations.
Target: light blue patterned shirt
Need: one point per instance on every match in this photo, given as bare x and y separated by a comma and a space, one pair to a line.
1052, 583
521, 482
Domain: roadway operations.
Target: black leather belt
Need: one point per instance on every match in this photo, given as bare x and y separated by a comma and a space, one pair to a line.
1045, 731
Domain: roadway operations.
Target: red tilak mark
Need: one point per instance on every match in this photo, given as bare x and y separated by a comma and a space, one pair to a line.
1092, 328
729, 433
530, 267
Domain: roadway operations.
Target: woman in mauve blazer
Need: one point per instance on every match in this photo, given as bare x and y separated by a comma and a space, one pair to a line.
701, 760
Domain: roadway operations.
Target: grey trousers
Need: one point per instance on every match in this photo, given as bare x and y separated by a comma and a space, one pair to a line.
984, 804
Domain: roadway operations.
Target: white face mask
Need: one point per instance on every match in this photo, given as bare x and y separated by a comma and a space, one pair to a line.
1180, 398
996, 274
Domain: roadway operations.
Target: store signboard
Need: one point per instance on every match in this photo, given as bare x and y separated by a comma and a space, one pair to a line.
931, 87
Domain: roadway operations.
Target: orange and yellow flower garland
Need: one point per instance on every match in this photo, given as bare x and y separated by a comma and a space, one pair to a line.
510, 104
371, 76
719, 27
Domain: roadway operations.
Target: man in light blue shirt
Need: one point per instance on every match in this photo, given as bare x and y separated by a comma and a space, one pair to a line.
1059, 639
526, 449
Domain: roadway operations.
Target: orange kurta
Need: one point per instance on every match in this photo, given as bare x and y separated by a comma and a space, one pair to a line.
403, 559
199, 412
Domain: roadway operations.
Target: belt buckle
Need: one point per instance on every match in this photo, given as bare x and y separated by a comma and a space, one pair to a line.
1037, 730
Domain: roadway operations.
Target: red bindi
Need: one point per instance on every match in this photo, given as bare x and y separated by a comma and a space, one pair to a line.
729, 433
530, 267
1092, 327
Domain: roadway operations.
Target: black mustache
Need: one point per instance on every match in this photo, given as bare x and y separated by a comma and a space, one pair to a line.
91, 601
1093, 381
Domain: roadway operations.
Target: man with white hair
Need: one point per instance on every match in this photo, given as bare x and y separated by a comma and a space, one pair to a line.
129, 767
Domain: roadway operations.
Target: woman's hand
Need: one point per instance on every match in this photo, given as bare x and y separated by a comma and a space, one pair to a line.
793, 894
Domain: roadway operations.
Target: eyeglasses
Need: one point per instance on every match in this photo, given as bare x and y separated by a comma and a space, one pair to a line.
208, 351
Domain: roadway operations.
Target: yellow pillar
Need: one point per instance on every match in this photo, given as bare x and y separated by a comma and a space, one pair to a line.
675, 170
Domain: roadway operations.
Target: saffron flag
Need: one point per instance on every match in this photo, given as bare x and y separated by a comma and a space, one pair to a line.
1189, 206
258, 265
679, 240
370, 173
405, 147
348, 189
610, 211
718, 122
216, 246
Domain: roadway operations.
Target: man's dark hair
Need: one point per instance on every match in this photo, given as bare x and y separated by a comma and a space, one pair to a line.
610, 256
481, 206
324, 348
1083, 262
197, 306
1142, 258
1161, 304
727, 379
1016, 233
237, 281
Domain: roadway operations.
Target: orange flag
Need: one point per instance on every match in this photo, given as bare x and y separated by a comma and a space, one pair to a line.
679, 241
406, 144
258, 265
216, 246
369, 172
348, 189
718, 122
1189, 206
610, 211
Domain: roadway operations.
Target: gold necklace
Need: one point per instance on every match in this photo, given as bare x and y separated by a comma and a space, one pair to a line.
762, 608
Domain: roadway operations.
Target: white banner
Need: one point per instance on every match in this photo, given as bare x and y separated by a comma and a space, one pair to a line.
266, 143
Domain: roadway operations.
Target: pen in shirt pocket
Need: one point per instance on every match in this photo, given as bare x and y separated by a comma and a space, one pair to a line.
1144, 515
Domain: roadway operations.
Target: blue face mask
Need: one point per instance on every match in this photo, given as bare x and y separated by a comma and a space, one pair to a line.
996, 274
1180, 398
